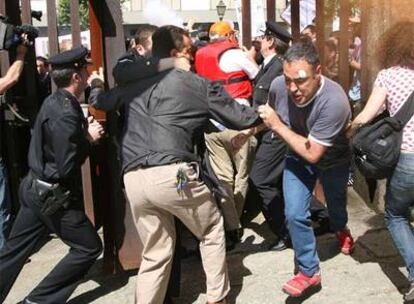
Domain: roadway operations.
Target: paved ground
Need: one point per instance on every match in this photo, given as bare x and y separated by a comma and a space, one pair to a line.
373, 274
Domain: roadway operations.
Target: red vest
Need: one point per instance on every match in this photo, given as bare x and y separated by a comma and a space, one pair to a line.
207, 60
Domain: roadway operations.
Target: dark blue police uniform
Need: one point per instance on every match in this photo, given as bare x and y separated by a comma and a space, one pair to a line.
51, 196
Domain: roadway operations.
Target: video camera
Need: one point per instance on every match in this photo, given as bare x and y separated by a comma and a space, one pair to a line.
12, 35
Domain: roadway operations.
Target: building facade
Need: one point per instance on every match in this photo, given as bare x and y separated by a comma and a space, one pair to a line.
137, 12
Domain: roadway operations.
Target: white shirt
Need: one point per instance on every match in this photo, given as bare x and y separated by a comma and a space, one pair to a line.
268, 59
236, 60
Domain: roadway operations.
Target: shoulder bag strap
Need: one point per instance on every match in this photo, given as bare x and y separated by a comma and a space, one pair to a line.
405, 113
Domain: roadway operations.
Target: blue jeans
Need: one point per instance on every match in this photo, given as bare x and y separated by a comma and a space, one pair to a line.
398, 200
4, 205
299, 179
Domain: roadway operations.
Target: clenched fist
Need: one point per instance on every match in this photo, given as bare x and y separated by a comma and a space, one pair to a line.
269, 116
95, 130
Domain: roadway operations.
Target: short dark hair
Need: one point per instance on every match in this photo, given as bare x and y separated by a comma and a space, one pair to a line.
63, 77
303, 50
143, 33
166, 38
42, 59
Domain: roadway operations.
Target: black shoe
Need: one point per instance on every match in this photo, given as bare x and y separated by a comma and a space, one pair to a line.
233, 237
26, 301
281, 244
409, 295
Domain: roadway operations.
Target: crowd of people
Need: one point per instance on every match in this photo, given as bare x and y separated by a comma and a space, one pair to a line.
208, 131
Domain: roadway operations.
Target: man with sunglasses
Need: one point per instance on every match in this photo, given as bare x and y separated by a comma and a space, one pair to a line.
311, 116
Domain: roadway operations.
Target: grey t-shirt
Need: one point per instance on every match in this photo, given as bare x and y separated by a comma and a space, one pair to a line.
322, 120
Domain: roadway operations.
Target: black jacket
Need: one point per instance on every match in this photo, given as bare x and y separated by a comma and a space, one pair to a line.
264, 78
132, 67
59, 145
166, 116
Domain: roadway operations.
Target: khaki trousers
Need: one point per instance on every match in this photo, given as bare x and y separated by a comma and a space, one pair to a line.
154, 200
232, 169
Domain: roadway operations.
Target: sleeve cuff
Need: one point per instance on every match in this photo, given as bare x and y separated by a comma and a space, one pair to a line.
321, 142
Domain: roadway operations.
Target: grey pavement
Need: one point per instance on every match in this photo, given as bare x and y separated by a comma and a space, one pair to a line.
373, 274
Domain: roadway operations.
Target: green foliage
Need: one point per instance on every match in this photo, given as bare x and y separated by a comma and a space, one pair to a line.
64, 13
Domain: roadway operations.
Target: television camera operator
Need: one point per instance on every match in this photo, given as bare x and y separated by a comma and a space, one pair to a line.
10, 78
16, 39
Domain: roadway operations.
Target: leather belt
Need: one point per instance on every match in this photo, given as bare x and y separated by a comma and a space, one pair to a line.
42, 182
232, 80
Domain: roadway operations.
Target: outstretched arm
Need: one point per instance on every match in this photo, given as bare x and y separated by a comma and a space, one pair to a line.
131, 68
228, 112
105, 101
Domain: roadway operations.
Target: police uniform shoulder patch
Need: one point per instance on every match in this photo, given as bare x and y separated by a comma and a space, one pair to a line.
66, 103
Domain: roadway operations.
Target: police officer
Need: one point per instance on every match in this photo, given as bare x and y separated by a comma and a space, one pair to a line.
265, 187
274, 43
50, 195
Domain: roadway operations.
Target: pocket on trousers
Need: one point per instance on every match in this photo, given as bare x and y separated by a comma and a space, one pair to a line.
193, 171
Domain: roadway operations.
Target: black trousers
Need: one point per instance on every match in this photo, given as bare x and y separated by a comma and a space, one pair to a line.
30, 226
265, 182
265, 185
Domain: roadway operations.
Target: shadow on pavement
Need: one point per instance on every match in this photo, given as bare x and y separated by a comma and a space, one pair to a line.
327, 247
193, 279
238, 271
376, 246
107, 283
307, 295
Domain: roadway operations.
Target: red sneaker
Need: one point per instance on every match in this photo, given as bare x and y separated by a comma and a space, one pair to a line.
300, 283
346, 242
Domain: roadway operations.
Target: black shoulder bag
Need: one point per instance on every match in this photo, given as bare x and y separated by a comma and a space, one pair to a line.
376, 147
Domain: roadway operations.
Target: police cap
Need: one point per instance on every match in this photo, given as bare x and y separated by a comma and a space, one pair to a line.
278, 31
75, 58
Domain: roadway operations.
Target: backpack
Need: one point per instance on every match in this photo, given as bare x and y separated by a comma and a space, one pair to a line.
376, 147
